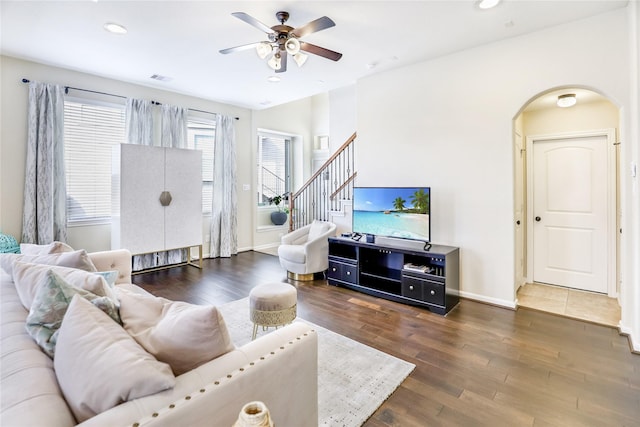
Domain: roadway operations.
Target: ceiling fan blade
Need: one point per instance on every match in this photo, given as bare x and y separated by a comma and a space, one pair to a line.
240, 48
253, 21
320, 51
283, 62
313, 26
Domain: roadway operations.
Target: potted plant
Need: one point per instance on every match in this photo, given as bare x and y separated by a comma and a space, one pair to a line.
279, 216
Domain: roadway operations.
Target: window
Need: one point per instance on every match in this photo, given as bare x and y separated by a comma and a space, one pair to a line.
90, 132
201, 135
274, 164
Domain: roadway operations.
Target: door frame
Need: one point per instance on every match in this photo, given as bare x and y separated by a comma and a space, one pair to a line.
611, 201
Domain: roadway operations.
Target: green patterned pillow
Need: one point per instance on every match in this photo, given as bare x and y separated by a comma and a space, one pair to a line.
50, 305
109, 276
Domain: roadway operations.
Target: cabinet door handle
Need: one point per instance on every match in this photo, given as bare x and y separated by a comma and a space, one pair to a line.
348, 273
333, 269
433, 292
411, 287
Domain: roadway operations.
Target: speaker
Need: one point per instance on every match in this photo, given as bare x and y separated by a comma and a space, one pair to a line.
371, 238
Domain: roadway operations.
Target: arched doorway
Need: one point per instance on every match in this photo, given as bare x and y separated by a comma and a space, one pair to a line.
565, 162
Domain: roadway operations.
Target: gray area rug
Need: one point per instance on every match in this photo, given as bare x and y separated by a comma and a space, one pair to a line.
353, 379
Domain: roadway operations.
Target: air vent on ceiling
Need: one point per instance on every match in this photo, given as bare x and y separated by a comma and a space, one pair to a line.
161, 78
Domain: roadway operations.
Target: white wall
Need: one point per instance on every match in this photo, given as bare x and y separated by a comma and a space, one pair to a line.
448, 124
581, 117
342, 116
630, 147
13, 137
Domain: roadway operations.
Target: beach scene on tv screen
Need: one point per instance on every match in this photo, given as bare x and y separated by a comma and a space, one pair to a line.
394, 212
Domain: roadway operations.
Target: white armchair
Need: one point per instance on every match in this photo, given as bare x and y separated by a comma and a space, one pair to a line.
306, 250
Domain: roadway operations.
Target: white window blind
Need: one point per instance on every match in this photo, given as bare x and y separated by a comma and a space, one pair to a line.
90, 132
201, 136
273, 166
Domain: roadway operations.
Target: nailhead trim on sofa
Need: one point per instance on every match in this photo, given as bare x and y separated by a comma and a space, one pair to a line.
203, 391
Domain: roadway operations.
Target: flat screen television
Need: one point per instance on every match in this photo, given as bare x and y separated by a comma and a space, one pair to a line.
399, 212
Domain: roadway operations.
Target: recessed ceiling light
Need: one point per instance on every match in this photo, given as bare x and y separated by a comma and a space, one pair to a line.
115, 28
273, 79
487, 4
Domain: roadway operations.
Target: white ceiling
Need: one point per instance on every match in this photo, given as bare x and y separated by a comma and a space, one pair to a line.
181, 39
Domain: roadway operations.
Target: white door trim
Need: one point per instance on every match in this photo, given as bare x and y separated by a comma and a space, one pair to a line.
610, 135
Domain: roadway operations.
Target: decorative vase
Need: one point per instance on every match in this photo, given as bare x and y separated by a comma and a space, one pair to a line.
278, 217
254, 414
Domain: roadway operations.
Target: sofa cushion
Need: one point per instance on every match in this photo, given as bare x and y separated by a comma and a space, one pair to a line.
76, 259
181, 334
50, 305
51, 248
99, 366
28, 278
317, 229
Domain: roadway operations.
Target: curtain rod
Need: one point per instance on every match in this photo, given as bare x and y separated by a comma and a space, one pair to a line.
66, 91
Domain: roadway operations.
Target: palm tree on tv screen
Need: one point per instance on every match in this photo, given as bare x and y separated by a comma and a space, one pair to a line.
420, 201
398, 203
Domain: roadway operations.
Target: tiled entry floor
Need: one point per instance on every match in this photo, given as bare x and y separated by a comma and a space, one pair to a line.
583, 305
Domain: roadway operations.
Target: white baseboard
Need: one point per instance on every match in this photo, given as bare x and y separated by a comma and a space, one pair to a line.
263, 247
488, 300
628, 332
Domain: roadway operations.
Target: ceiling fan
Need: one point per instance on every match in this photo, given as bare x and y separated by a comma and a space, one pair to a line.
284, 40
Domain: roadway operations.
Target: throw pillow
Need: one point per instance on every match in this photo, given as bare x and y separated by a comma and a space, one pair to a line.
317, 229
27, 278
98, 365
109, 276
181, 334
50, 305
76, 259
51, 248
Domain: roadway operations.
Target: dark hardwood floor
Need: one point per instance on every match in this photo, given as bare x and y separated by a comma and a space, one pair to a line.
479, 365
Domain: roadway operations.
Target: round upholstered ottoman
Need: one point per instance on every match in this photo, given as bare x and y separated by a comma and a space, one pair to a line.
272, 304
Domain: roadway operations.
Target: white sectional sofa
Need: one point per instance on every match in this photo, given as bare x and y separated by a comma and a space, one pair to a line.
279, 369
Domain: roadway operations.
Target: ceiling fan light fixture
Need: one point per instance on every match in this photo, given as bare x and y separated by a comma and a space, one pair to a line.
263, 49
567, 100
292, 45
275, 62
300, 59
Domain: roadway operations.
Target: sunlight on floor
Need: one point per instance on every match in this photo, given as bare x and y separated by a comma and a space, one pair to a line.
589, 306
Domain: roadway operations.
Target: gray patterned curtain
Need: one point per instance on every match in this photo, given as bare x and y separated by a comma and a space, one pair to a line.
174, 126
224, 209
44, 211
139, 122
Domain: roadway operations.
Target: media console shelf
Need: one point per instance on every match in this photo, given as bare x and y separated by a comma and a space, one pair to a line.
428, 279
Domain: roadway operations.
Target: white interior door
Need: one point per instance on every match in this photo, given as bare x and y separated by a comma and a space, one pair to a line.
571, 198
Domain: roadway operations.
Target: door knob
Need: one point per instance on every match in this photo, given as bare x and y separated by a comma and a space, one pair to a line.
538, 218
518, 222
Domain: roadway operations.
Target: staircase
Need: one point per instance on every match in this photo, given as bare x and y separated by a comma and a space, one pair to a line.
327, 190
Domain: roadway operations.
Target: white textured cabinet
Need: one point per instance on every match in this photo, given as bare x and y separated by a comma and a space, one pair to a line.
140, 222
